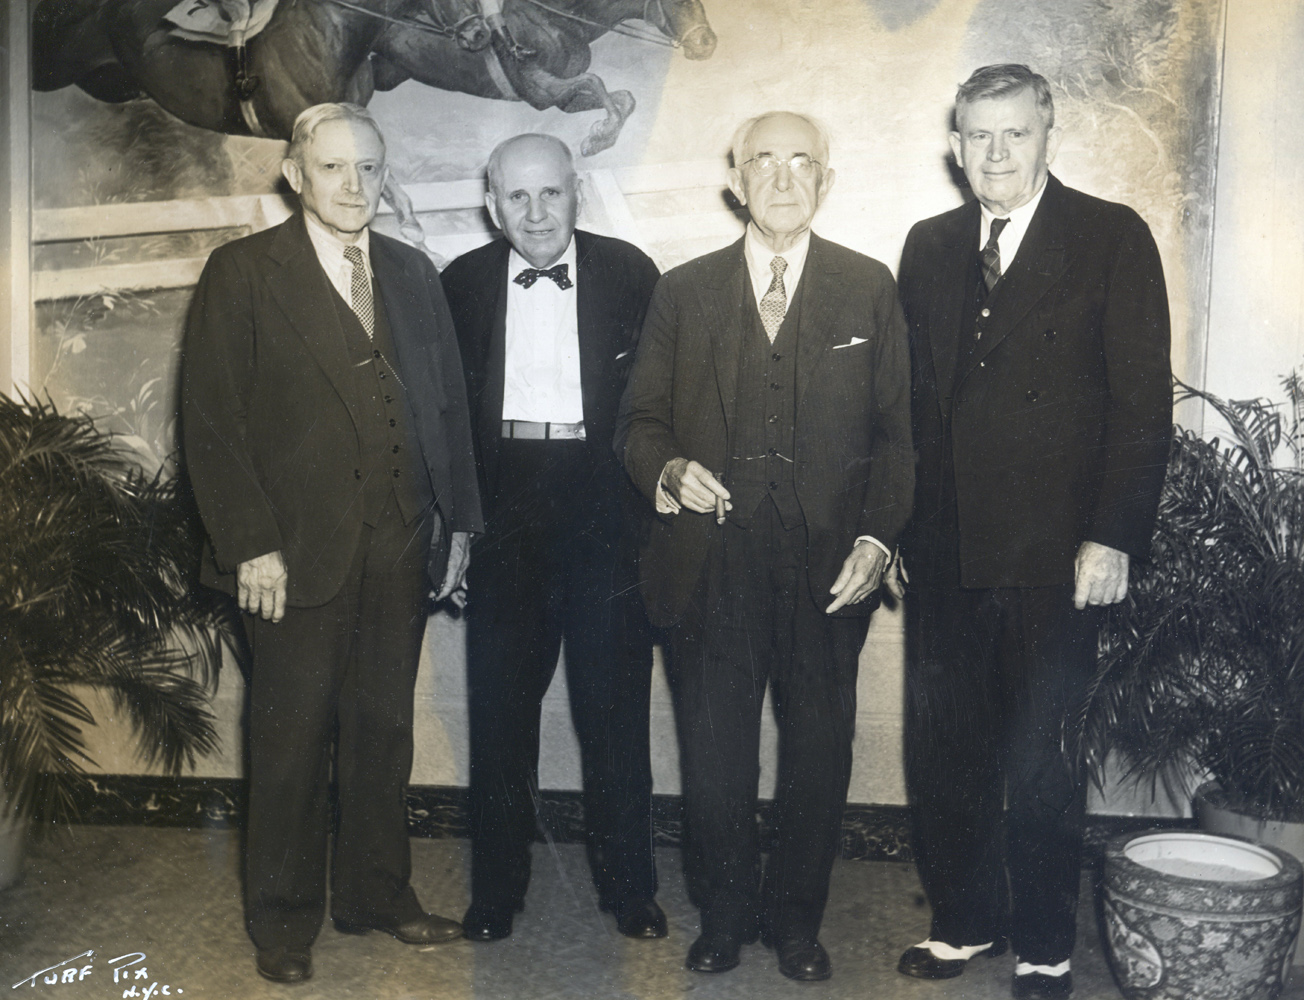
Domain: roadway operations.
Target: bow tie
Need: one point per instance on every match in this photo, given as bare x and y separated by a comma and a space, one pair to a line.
557, 273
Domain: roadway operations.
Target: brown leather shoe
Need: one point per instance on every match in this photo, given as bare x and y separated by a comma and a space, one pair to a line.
429, 928
284, 965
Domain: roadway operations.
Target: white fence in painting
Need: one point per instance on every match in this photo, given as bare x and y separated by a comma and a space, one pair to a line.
608, 195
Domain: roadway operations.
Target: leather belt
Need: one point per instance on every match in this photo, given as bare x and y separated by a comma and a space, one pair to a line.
533, 430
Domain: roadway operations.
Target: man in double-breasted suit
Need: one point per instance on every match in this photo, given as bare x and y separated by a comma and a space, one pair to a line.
548, 318
1042, 406
327, 437
767, 417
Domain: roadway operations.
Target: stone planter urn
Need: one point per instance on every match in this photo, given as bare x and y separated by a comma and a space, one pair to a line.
1214, 816
1194, 916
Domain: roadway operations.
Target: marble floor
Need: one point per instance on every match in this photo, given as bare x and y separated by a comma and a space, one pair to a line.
164, 903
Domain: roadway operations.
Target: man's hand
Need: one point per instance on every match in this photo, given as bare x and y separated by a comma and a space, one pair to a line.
459, 558
1100, 575
861, 573
693, 486
260, 585
895, 578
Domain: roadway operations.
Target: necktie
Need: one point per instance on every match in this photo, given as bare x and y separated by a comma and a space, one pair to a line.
991, 256
360, 291
774, 303
558, 273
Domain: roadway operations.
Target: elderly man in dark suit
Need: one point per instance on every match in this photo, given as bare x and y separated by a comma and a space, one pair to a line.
1042, 408
767, 418
548, 319
328, 440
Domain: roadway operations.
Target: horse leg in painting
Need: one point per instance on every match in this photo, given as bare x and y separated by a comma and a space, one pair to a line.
70, 47
583, 92
405, 214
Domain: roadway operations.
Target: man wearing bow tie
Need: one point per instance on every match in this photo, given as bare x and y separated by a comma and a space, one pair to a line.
548, 320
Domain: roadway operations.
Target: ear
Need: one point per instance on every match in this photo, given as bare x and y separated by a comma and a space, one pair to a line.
957, 149
1053, 138
826, 183
291, 171
736, 185
491, 203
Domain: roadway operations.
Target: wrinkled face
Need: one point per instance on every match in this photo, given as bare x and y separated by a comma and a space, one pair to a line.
1005, 149
340, 178
535, 200
782, 201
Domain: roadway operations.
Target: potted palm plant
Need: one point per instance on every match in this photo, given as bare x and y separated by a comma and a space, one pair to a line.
96, 564
1201, 670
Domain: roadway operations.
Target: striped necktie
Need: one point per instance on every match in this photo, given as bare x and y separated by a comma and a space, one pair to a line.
360, 291
991, 256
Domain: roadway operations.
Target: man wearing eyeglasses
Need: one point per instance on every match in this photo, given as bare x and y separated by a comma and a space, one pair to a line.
767, 418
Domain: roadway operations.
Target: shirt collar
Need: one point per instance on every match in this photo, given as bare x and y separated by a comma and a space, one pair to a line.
516, 263
759, 255
1019, 217
331, 247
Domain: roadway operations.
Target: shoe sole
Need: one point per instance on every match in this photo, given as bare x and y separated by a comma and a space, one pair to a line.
359, 929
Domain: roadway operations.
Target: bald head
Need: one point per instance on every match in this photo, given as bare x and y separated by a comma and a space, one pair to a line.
534, 196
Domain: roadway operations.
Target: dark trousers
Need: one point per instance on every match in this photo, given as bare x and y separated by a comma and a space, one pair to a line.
998, 805
555, 564
751, 623
343, 672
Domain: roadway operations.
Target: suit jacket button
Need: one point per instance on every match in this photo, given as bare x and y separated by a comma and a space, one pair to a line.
396, 473
375, 354
395, 449
1032, 395
382, 374
357, 473
392, 422
774, 486
1049, 334
986, 313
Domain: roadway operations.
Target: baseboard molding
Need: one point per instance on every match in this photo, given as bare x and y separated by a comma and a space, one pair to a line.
869, 832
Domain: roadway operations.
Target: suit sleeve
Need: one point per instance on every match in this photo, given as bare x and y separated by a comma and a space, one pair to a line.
217, 378
890, 494
1135, 336
463, 507
644, 440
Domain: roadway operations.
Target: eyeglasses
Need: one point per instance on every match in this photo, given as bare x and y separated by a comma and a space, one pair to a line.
801, 165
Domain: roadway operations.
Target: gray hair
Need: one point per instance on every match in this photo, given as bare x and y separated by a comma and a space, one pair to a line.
494, 172
309, 120
745, 130
1002, 80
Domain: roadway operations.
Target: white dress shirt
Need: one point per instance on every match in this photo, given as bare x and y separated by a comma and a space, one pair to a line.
542, 374
1012, 235
758, 257
330, 252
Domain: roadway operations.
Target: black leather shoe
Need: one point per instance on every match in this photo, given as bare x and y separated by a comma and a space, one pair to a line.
1039, 986
923, 964
641, 919
429, 928
801, 958
487, 923
714, 953
285, 965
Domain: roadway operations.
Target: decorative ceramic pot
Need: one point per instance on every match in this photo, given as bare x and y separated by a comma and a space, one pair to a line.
1215, 817
1193, 916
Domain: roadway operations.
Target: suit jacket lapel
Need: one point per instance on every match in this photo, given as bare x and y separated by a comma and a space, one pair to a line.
723, 292
946, 309
1036, 268
589, 309
819, 297
303, 291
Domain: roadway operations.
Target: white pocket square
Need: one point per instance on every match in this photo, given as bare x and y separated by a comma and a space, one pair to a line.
851, 343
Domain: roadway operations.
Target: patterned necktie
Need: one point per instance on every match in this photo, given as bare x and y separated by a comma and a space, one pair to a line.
558, 273
991, 256
774, 303
360, 291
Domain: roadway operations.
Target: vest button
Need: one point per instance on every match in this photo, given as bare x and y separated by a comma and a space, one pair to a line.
776, 357
1049, 334
389, 399
357, 473
382, 374
774, 417
985, 313
1032, 395
395, 449
772, 452
396, 473
393, 422
774, 385
375, 354
774, 486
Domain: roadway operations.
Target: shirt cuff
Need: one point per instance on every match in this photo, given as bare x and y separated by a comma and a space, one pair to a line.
874, 541
666, 504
